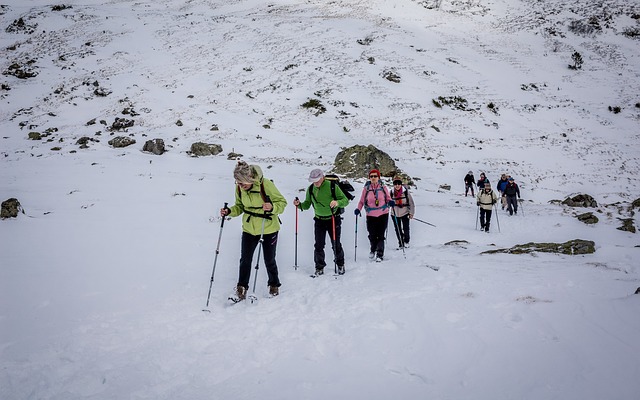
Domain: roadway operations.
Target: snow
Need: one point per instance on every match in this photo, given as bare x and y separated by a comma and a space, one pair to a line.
104, 278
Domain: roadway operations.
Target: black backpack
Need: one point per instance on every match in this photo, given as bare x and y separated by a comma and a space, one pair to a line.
344, 185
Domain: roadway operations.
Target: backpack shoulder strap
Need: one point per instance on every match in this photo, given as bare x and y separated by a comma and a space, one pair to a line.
265, 198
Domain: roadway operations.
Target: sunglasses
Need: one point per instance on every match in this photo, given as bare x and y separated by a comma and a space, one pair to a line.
373, 176
397, 182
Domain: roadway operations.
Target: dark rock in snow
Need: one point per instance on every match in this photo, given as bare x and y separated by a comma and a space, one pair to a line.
581, 200
155, 146
121, 141
572, 247
10, 208
588, 218
200, 149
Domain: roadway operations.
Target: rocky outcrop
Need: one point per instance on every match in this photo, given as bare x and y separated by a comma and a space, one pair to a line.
121, 141
581, 200
200, 149
588, 218
155, 146
572, 247
10, 208
627, 225
357, 161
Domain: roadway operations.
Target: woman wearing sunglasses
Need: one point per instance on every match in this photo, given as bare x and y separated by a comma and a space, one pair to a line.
376, 201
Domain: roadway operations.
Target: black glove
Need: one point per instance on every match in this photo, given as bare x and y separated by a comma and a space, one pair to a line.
356, 212
478, 203
391, 203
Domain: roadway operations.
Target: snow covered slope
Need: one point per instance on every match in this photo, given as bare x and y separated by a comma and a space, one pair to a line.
103, 279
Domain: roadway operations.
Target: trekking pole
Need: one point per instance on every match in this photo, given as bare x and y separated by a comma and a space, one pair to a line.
355, 251
295, 266
398, 231
424, 222
215, 261
477, 216
521, 207
260, 249
497, 219
333, 239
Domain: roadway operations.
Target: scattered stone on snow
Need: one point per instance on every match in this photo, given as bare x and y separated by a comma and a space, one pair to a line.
20, 26
635, 203
581, 200
200, 149
121, 124
21, 71
627, 225
572, 247
83, 142
459, 243
155, 146
35, 136
588, 218
10, 208
121, 141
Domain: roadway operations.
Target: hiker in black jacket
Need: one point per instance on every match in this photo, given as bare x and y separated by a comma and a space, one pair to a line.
469, 181
511, 191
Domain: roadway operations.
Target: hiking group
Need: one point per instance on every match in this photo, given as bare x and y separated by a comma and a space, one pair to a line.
486, 200
260, 203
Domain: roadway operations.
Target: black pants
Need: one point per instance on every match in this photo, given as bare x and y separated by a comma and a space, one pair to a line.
485, 219
377, 226
322, 228
249, 244
401, 226
512, 204
466, 190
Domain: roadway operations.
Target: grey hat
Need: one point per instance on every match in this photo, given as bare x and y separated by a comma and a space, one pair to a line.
316, 175
243, 173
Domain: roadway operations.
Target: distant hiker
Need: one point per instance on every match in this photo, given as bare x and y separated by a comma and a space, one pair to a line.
482, 181
511, 191
327, 218
486, 199
502, 183
260, 202
403, 210
469, 181
376, 201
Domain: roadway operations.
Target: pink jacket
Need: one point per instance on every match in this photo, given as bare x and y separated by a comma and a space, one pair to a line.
371, 193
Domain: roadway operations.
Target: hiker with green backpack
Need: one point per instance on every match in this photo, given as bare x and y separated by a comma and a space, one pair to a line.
328, 200
260, 203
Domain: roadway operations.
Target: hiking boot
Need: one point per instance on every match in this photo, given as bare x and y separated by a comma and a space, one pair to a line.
341, 270
372, 255
319, 271
406, 245
241, 292
273, 291
379, 259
